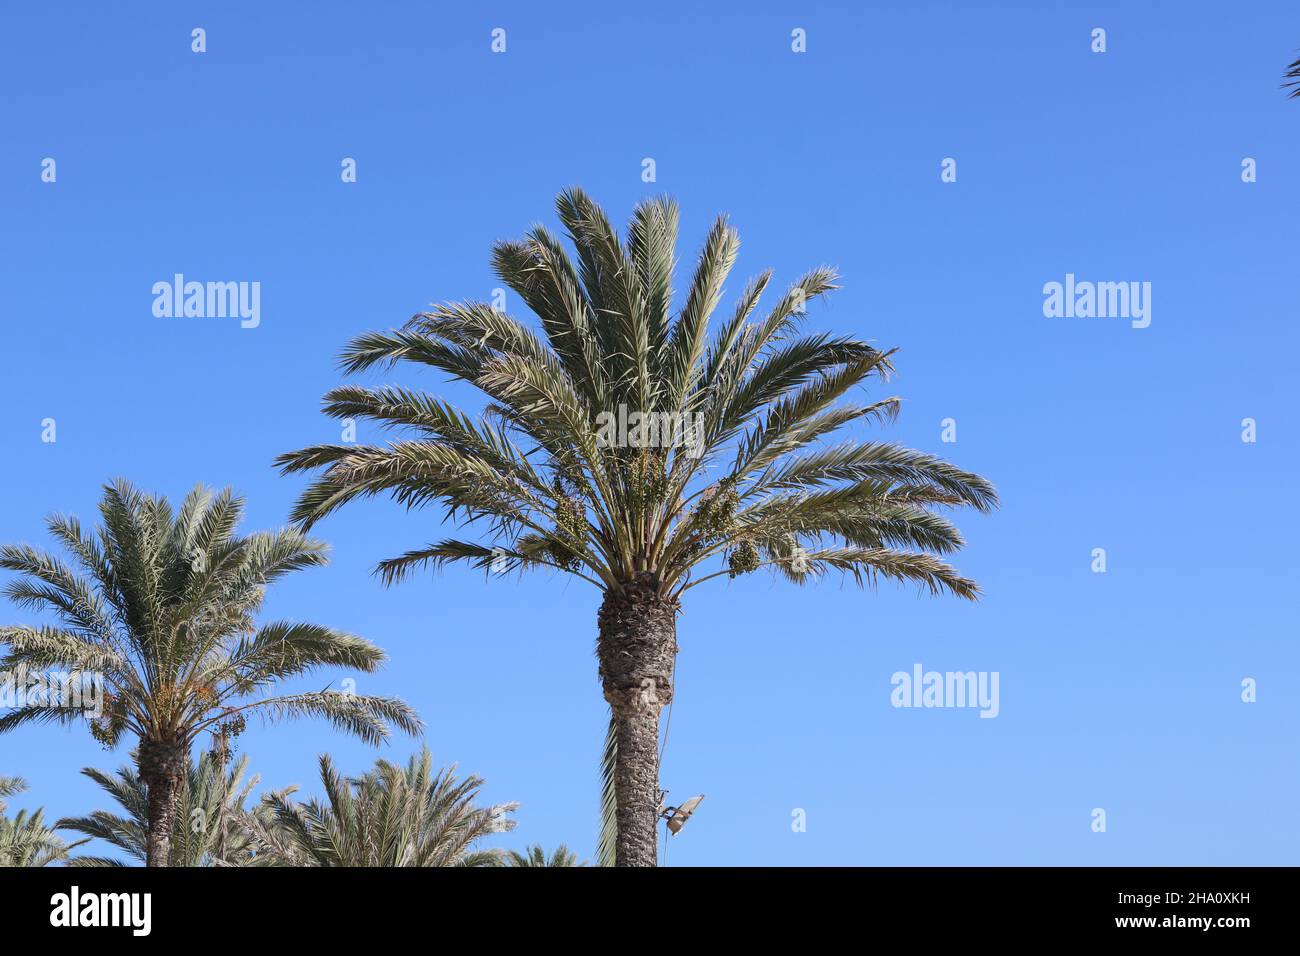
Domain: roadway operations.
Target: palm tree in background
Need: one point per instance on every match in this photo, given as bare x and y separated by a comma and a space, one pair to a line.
25, 840
209, 828
738, 473
536, 856
1293, 80
390, 816
162, 620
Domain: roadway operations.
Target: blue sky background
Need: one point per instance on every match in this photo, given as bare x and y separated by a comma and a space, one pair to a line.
1118, 690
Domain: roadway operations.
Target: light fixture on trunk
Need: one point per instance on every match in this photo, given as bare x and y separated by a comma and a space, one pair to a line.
676, 817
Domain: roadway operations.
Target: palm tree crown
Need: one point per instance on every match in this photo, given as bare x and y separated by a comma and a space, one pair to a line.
390, 816
536, 856
548, 490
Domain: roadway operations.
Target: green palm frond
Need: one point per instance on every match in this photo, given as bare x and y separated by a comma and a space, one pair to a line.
608, 833
10, 786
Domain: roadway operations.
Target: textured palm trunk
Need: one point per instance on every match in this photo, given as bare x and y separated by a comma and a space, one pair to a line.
161, 766
637, 645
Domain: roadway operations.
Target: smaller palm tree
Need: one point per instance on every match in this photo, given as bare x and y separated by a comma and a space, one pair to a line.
390, 816
1293, 80
25, 840
536, 856
209, 828
161, 611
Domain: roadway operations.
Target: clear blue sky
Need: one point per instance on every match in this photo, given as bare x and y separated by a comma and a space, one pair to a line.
1118, 690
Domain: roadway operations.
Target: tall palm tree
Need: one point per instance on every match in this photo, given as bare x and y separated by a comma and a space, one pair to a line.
25, 840
732, 470
536, 856
209, 828
390, 816
163, 619
1293, 80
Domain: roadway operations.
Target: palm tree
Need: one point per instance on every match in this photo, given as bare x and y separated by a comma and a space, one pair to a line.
209, 827
25, 840
725, 465
536, 856
390, 816
1293, 80
163, 623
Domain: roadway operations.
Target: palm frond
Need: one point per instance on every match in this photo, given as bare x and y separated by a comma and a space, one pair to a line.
1292, 76
608, 836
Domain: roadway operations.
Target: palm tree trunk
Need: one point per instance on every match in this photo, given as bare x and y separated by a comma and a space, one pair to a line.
636, 649
161, 765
